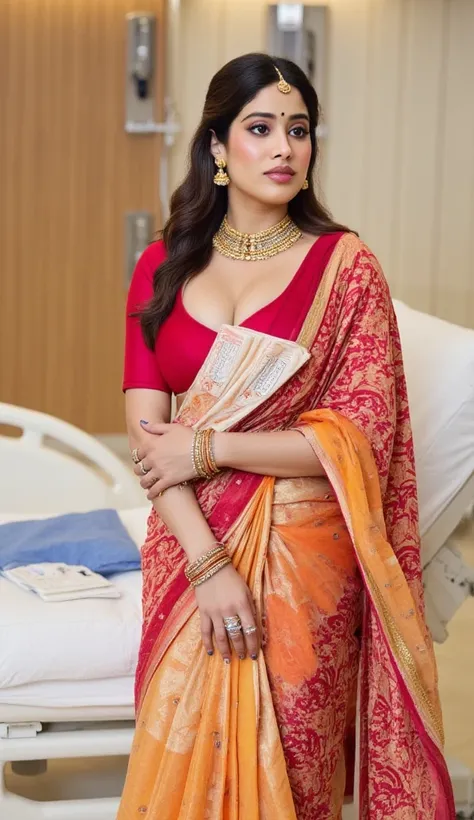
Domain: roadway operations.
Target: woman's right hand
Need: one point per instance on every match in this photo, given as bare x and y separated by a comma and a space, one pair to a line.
226, 595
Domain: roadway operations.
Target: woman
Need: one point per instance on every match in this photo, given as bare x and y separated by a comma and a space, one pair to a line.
285, 489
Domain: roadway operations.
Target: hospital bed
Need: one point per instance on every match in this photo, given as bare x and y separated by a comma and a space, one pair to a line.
66, 670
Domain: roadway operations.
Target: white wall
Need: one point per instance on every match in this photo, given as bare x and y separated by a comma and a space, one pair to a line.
399, 159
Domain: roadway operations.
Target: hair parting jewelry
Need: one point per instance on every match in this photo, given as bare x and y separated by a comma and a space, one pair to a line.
282, 85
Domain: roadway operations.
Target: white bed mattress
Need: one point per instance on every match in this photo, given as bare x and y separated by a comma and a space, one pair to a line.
105, 692
43, 641
76, 652
439, 367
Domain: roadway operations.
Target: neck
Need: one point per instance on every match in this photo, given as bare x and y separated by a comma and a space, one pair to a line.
251, 216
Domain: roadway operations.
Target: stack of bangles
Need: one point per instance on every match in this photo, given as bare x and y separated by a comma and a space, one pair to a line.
202, 454
207, 565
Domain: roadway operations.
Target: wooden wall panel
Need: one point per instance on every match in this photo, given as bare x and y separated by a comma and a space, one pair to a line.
68, 174
398, 161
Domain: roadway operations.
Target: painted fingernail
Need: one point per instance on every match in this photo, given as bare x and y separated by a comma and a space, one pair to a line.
226, 660
142, 421
254, 657
210, 652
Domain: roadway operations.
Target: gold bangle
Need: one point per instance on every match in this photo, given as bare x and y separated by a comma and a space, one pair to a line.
212, 457
198, 463
210, 465
190, 573
193, 458
210, 573
207, 453
204, 464
196, 565
207, 567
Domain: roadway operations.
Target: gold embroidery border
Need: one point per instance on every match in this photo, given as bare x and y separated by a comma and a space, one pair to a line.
343, 253
424, 703
407, 662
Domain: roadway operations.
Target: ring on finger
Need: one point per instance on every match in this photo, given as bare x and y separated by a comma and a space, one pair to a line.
249, 630
135, 456
143, 468
234, 628
234, 631
232, 620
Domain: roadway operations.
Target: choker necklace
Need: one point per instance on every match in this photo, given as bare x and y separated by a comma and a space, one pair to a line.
254, 247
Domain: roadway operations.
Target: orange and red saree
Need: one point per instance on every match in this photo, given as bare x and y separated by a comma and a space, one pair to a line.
334, 567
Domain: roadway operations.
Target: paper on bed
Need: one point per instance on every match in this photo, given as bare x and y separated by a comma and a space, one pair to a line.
61, 582
243, 369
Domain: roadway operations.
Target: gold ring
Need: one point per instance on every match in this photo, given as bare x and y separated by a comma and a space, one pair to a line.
143, 468
135, 456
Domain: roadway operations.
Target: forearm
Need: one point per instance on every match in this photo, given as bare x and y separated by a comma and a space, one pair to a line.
177, 507
284, 454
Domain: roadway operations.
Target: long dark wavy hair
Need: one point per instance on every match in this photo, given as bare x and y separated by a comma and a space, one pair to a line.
198, 206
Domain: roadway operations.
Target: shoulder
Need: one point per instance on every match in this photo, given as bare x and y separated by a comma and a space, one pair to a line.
354, 250
141, 285
151, 258
357, 262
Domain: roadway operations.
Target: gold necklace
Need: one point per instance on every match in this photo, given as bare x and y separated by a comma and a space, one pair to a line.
254, 247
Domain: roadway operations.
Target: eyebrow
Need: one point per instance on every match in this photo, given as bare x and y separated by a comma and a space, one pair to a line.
268, 116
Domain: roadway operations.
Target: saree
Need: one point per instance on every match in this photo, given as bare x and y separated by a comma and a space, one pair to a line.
343, 697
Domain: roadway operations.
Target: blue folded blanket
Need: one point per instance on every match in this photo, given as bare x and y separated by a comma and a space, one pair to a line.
96, 539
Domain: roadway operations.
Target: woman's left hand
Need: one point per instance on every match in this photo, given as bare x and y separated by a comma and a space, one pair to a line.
166, 458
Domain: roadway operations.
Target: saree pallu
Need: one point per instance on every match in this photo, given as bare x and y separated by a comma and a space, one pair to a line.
345, 688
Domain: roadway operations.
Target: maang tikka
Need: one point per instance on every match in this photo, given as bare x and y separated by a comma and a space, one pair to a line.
282, 85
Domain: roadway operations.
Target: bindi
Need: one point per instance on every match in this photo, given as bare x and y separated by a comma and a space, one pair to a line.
282, 113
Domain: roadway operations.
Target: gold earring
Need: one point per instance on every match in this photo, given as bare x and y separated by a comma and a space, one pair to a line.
221, 177
305, 185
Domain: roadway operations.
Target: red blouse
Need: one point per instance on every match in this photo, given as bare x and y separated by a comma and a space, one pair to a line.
183, 342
